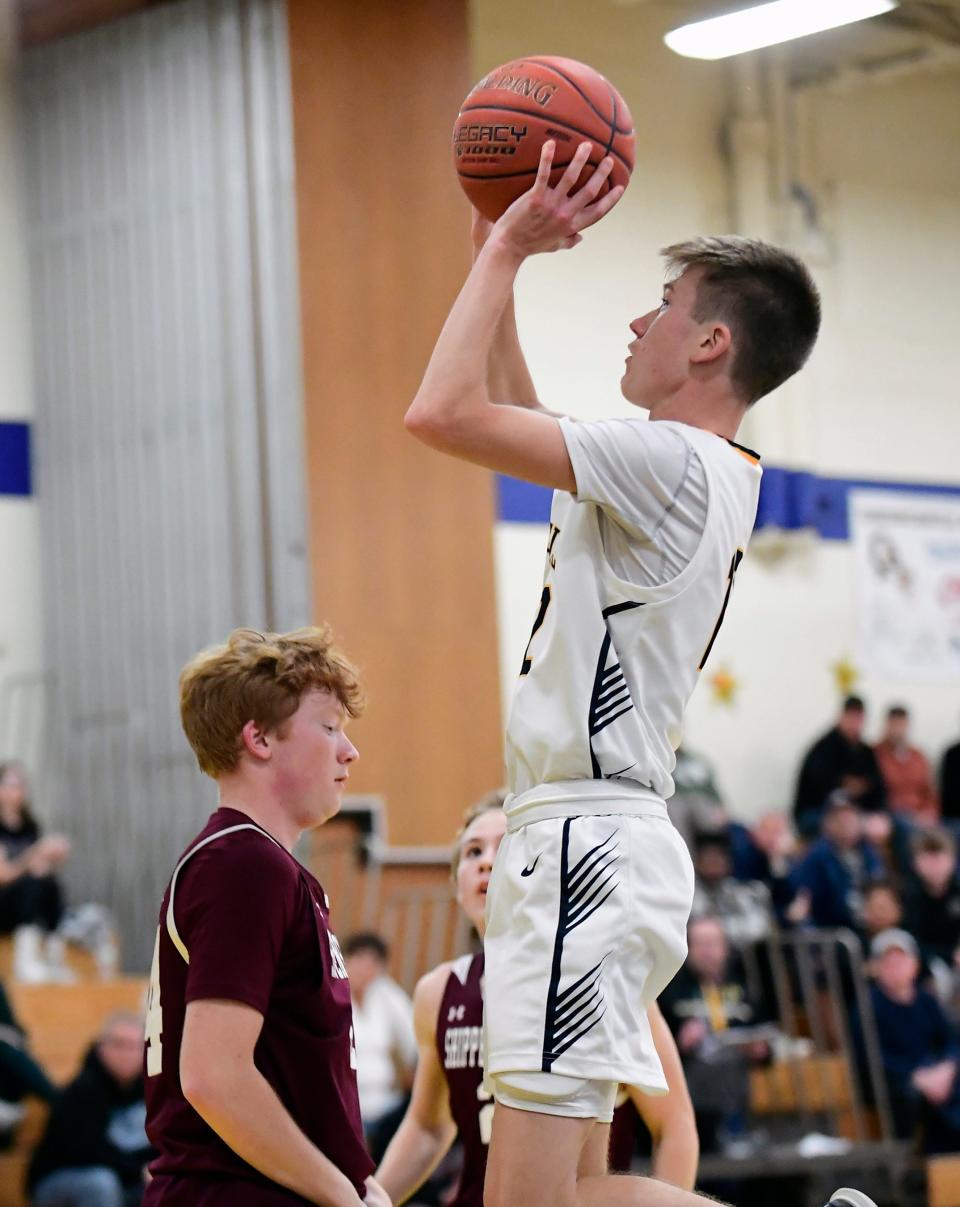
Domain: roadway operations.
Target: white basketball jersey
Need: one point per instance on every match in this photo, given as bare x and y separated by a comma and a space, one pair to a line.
611, 665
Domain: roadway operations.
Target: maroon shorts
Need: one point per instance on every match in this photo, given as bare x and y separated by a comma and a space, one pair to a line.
170, 1190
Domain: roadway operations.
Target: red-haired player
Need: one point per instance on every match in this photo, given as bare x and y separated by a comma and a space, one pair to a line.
250, 1065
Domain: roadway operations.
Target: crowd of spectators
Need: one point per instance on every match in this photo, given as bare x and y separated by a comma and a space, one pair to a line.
869, 846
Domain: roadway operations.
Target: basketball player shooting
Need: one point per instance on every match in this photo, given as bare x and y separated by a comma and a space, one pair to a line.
591, 890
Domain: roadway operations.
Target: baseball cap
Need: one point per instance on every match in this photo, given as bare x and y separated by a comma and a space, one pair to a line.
888, 939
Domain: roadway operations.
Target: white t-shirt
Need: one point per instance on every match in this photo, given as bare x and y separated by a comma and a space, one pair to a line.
383, 1029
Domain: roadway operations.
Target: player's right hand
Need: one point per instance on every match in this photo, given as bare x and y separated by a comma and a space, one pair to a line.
548, 218
376, 1195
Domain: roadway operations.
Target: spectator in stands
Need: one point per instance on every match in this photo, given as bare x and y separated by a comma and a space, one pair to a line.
919, 1047
766, 852
386, 1043
31, 901
882, 910
906, 773
829, 881
94, 1151
744, 906
890, 835
950, 783
696, 806
705, 1004
932, 907
839, 760
20, 1074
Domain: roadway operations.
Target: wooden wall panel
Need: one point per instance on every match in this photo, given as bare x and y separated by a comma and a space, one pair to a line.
401, 537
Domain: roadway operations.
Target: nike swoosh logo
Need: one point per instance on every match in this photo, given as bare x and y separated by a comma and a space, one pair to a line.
529, 871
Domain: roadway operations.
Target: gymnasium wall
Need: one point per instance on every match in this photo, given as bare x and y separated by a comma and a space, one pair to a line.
878, 400
20, 631
402, 549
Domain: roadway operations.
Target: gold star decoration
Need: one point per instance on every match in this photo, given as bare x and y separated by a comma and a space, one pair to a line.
724, 686
845, 675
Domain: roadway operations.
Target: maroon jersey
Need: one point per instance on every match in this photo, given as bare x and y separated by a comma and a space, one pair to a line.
623, 1135
459, 1045
242, 920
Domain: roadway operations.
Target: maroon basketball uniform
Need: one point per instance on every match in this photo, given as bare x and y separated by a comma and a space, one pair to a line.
243, 921
623, 1135
459, 1045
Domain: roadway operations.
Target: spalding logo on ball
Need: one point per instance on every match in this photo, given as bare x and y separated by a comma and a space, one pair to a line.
513, 111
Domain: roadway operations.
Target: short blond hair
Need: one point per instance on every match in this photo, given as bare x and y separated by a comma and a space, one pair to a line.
486, 804
259, 677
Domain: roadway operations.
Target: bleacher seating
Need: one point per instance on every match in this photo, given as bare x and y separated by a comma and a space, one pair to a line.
62, 1022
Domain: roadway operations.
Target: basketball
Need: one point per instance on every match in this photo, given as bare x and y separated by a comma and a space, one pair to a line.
509, 115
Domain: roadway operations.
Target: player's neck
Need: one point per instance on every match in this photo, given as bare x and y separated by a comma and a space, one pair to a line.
268, 814
713, 411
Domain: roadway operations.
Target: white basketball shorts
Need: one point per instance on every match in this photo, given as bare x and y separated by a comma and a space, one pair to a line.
586, 925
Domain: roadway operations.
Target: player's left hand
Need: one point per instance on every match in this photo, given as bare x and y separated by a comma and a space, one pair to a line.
549, 218
376, 1195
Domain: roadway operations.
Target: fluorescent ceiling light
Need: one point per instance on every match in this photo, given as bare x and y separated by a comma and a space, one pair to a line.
767, 24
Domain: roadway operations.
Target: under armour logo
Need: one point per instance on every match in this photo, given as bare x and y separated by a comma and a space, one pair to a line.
455, 1014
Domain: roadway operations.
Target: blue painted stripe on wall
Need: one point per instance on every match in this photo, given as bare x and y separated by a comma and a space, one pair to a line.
789, 498
15, 476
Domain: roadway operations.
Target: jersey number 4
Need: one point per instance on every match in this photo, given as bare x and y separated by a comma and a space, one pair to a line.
154, 1020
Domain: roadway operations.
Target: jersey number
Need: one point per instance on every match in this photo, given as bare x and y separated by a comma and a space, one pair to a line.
154, 1020
734, 565
537, 624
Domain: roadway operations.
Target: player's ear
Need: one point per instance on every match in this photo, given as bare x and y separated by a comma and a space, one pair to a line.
714, 341
255, 741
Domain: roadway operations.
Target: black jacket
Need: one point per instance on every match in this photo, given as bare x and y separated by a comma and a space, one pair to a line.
826, 763
934, 921
77, 1132
950, 782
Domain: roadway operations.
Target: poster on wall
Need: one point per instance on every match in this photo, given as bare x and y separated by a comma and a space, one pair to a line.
907, 566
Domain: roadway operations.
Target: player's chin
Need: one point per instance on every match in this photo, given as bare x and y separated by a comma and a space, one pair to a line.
331, 805
628, 388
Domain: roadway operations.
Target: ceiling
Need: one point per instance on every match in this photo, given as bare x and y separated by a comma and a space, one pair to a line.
909, 30
914, 29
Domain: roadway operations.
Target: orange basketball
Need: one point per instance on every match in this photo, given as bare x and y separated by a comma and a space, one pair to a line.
513, 111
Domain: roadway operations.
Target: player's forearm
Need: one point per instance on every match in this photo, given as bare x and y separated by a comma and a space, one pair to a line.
676, 1154
412, 1155
454, 387
246, 1113
508, 377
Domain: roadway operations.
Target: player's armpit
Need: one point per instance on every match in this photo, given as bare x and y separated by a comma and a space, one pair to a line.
518, 441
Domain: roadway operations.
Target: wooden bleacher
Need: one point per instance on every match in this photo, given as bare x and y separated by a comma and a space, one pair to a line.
61, 1021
